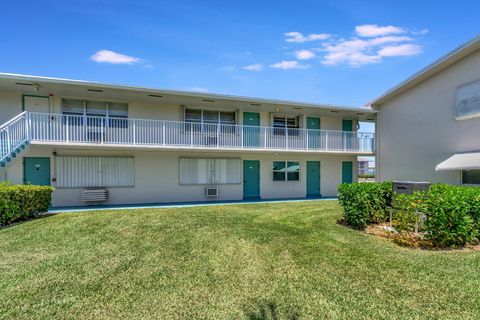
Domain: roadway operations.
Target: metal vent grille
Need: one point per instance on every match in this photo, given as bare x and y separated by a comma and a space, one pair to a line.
211, 192
94, 195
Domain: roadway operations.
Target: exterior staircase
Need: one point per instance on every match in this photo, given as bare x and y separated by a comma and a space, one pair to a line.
14, 138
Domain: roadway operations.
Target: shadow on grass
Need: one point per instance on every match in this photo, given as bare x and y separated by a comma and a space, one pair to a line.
22, 221
269, 311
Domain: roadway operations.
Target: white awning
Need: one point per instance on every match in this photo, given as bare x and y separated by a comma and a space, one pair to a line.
460, 161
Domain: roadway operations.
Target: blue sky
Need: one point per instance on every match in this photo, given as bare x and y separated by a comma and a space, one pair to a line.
339, 52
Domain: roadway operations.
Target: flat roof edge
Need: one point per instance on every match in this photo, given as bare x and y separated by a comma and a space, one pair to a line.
54, 80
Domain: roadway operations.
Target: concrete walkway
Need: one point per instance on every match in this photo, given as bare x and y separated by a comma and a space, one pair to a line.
178, 204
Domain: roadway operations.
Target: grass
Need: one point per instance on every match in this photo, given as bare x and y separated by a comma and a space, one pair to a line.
261, 261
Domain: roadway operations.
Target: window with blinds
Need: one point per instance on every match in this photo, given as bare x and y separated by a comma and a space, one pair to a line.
210, 116
85, 171
210, 171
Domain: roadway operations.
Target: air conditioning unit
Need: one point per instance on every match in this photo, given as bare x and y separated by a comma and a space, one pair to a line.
211, 192
94, 195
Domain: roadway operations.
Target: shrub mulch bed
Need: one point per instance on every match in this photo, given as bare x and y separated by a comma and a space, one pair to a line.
410, 239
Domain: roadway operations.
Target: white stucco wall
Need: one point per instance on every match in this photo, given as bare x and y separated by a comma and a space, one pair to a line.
417, 129
156, 176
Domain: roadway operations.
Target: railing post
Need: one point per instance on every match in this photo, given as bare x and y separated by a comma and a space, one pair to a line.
218, 135
286, 138
9, 147
191, 133
163, 132
344, 141
241, 138
102, 131
27, 126
326, 140
307, 132
265, 138
67, 128
134, 132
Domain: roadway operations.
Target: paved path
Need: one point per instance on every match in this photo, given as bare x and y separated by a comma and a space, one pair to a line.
176, 205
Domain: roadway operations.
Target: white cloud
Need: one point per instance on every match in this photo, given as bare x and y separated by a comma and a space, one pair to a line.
298, 37
286, 65
253, 67
304, 54
400, 50
374, 30
389, 39
199, 89
107, 56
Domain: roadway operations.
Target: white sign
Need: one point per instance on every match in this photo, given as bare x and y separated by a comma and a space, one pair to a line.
467, 104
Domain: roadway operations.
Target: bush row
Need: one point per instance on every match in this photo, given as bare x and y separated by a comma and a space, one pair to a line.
452, 213
20, 202
365, 203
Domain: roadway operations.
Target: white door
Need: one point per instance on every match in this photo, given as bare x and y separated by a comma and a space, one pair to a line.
36, 104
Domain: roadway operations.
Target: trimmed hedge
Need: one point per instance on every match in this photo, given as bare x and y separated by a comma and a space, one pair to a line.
20, 202
365, 203
452, 215
452, 212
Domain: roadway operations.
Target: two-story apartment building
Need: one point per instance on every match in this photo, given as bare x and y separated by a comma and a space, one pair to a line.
113, 144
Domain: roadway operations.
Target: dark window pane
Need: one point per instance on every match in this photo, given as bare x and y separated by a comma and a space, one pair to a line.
278, 165
279, 176
293, 171
293, 176
471, 176
210, 116
192, 115
227, 117
279, 122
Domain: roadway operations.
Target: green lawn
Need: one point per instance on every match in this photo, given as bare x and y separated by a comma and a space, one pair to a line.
267, 261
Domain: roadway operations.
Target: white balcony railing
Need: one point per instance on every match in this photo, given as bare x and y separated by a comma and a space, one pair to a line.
62, 128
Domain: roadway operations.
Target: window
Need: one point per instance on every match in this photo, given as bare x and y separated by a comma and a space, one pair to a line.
210, 171
210, 116
470, 176
107, 113
282, 124
84, 172
286, 171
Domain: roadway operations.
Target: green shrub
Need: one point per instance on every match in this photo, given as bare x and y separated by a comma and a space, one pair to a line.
21, 202
365, 203
406, 209
452, 215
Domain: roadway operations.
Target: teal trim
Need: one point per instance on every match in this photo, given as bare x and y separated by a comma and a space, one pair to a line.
251, 136
347, 172
36, 171
251, 179
313, 179
31, 95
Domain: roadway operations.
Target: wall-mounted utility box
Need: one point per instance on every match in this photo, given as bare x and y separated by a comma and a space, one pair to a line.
409, 187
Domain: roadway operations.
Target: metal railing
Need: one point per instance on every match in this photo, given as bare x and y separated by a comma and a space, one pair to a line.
13, 134
137, 132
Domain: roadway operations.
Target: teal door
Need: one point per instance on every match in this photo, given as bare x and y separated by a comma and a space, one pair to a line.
313, 179
347, 172
36, 171
347, 126
313, 136
251, 135
251, 179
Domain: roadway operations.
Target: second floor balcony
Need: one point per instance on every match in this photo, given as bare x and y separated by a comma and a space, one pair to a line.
88, 130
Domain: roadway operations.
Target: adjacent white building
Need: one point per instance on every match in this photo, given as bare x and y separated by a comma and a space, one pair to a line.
112, 144
428, 127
